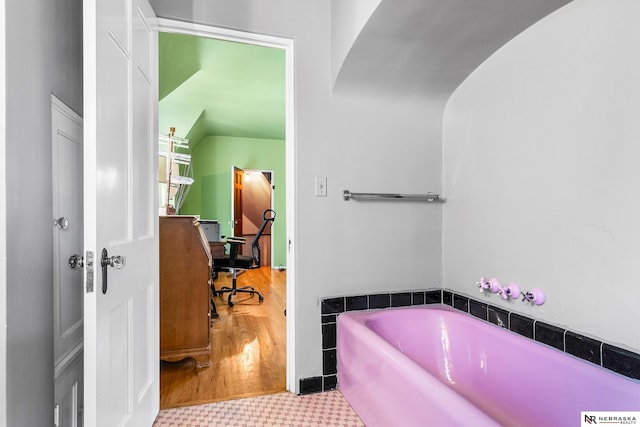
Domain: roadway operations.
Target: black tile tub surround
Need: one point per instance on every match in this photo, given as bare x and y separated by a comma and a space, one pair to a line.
447, 298
332, 305
418, 298
359, 302
461, 303
329, 362
380, 301
478, 309
310, 385
434, 297
401, 299
329, 333
583, 347
329, 318
330, 382
621, 361
498, 316
521, 325
549, 334
616, 359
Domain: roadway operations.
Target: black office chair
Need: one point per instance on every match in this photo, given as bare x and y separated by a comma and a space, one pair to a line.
233, 261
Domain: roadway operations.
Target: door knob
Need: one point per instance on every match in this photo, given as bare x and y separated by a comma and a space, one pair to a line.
76, 262
117, 261
62, 222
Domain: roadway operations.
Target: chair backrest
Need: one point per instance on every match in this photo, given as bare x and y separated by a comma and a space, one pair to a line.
269, 215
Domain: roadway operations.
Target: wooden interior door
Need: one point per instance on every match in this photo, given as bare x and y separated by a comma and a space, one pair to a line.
238, 180
257, 197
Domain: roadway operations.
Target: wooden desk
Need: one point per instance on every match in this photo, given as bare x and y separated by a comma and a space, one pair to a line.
185, 274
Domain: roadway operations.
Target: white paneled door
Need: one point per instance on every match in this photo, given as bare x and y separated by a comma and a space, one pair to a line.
120, 212
66, 154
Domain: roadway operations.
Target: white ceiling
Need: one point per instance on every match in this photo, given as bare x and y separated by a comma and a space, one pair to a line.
428, 47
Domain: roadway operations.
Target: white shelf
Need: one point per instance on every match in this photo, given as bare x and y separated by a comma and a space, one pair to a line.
177, 169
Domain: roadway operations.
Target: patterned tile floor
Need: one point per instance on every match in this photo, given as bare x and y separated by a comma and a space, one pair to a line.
329, 409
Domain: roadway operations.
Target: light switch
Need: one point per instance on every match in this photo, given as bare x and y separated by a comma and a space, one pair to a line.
321, 186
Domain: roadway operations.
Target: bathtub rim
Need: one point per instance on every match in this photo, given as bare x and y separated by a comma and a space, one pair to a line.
358, 314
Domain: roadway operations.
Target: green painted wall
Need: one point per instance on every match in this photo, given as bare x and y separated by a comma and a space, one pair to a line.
210, 194
177, 61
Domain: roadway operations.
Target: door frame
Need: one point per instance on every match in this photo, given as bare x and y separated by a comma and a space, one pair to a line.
180, 27
3, 219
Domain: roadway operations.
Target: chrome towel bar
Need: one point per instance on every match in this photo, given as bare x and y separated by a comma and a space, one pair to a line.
429, 197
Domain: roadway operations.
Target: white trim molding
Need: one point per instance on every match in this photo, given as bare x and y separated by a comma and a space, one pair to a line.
3, 218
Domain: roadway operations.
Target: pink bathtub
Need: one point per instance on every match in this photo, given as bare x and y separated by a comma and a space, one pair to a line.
438, 367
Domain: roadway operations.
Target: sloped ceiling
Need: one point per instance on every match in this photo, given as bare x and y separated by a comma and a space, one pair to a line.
216, 87
412, 47
428, 47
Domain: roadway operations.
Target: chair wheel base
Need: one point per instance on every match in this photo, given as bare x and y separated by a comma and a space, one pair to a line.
234, 291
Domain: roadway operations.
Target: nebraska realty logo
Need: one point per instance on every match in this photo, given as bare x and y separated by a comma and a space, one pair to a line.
625, 418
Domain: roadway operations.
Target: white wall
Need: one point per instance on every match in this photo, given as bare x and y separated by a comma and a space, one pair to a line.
541, 171
43, 56
360, 143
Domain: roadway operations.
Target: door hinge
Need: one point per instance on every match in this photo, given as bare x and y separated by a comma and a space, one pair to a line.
56, 416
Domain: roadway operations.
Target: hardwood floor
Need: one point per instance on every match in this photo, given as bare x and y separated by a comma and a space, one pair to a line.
248, 347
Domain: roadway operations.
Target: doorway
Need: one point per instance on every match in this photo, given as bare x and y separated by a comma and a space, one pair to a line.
168, 26
252, 196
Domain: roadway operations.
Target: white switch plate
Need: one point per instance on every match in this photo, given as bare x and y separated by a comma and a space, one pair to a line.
321, 186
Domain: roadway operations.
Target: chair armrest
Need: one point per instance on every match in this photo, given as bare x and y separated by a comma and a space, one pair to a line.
234, 247
236, 240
